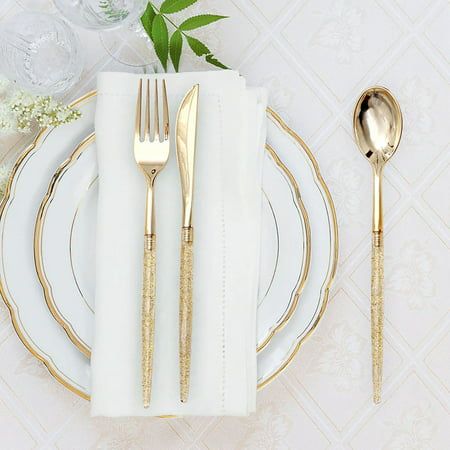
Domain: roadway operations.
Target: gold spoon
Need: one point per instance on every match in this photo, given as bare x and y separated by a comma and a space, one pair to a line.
377, 124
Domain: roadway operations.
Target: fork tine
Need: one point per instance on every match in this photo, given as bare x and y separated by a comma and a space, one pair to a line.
156, 118
147, 113
166, 126
137, 133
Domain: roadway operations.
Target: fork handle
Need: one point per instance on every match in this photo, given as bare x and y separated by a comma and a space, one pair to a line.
376, 310
186, 288
148, 316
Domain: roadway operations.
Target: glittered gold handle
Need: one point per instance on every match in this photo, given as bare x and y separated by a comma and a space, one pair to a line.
186, 277
148, 316
377, 313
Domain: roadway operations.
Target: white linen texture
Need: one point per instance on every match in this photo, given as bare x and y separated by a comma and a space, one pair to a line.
226, 220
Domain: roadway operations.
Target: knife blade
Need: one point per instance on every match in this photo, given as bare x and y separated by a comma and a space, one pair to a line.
186, 138
186, 131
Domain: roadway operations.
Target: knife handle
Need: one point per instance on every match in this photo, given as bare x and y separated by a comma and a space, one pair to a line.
185, 333
376, 310
148, 316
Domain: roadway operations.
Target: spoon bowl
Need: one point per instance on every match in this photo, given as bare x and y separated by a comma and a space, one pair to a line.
378, 125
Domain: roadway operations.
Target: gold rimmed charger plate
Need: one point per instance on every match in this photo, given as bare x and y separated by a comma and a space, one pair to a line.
64, 371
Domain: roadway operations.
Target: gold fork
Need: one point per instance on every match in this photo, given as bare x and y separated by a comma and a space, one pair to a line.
151, 154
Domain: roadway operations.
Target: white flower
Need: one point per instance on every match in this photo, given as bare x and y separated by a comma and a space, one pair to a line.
61, 116
19, 110
21, 97
8, 121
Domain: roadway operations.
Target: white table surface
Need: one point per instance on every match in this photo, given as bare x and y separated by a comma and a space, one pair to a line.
316, 57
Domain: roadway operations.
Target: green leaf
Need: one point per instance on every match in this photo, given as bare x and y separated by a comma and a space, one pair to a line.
175, 46
174, 6
160, 37
211, 59
199, 48
147, 19
200, 21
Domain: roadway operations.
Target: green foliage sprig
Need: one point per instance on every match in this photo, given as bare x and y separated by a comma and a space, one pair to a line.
157, 24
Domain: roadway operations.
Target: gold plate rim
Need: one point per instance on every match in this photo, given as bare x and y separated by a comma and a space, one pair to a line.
37, 247
304, 271
332, 266
3, 292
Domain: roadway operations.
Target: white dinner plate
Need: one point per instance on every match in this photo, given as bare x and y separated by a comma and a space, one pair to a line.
65, 243
22, 292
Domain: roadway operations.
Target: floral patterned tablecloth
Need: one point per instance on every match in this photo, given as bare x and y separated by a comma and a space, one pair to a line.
315, 56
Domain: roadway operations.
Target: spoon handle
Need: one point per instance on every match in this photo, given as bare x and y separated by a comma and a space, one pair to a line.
377, 313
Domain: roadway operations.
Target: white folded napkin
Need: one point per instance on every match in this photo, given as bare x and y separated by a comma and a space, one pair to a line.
226, 220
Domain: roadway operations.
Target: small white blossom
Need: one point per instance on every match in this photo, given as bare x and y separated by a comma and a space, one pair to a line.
20, 109
61, 115
8, 120
52, 104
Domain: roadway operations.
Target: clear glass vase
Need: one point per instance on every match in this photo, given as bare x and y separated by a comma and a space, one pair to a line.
40, 52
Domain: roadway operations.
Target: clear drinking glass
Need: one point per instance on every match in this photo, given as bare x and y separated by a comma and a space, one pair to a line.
40, 52
131, 47
101, 14
121, 32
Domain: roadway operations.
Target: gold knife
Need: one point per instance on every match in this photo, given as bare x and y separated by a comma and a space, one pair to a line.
186, 136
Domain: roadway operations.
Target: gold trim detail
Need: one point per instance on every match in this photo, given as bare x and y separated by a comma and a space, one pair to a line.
333, 262
306, 253
13, 313
40, 219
